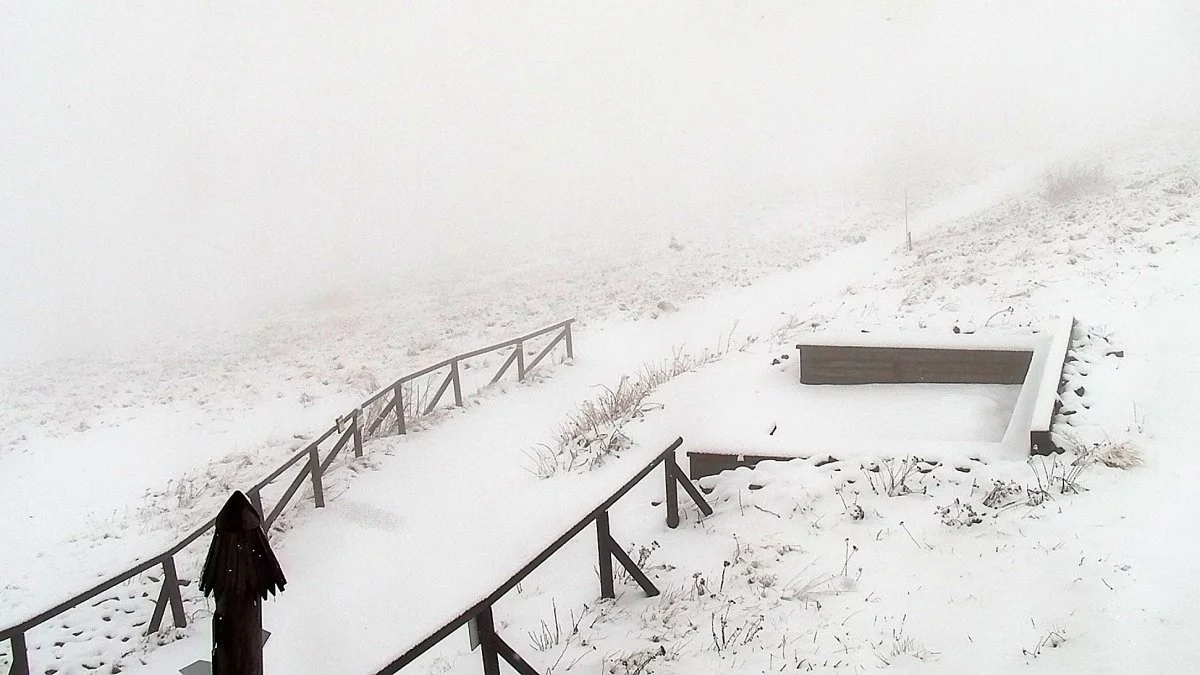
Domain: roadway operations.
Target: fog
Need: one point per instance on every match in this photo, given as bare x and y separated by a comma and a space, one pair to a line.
171, 166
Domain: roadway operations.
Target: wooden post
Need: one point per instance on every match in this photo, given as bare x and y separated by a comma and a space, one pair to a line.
256, 500
492, 647
314, 463
521, 361
357, 422
399, 400
603, 541
672, 494
240, 570
20, 655
570, 346
457, 382
487, 647
169, 595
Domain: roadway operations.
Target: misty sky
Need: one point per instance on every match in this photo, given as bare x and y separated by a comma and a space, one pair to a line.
166, 165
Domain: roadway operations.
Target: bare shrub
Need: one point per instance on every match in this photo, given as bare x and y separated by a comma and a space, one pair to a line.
593, 432
1122, 455
1062, 184
890, 476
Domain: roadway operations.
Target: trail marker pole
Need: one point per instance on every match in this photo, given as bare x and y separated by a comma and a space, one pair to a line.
240, 570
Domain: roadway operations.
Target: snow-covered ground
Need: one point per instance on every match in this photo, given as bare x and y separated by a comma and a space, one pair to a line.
782, 574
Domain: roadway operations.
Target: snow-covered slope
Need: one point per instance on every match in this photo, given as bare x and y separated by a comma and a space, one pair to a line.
1120, 259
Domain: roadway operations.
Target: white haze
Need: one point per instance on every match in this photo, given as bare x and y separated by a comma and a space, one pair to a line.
168, 166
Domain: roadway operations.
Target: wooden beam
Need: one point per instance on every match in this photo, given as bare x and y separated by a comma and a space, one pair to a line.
521, 361
542, 354
441, 390
458, 399
358, 440
504, 367
631, 567
314, 461
604, 549
287, 495
20, 655
486, 630
688, 486
672, 500
514, 659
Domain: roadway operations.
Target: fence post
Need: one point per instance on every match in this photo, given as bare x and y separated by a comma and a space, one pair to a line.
314, 463
399, 408
457, 383
169, 595
357, 422
255, 496
672, 493
570, 346
240, 570
20, 655
603, 544
521, 361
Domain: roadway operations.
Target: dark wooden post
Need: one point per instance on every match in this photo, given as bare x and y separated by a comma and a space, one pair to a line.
314, 463
20, 655
357, 422
399, 401
521, 361
457, 382
570, 347
672, 494
240, 570
603, 544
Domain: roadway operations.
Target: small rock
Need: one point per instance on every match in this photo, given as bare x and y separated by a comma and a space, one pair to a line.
667, 306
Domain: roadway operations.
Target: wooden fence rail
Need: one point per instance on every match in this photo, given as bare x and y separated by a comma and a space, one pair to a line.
348, 430
479, 617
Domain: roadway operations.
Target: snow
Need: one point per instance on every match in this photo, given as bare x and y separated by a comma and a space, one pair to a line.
1095, 581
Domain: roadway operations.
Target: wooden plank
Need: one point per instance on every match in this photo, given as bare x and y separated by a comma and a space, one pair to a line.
287, 496
703, 464
512, 657
392, 404
521, 361
636, 572
341, 443
441, 390
542, 354
822, 364
507, 362
689, 487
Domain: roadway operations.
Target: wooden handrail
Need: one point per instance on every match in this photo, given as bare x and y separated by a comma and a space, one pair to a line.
312, 469
667, 456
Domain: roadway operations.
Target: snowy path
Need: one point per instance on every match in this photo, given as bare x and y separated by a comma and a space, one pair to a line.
405, 549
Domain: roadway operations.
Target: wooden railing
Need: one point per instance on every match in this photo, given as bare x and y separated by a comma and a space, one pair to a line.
308, 465
491, 645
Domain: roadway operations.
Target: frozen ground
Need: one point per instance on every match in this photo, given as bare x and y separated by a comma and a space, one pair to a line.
1046, 584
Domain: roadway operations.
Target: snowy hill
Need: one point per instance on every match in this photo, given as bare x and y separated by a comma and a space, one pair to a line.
783, 569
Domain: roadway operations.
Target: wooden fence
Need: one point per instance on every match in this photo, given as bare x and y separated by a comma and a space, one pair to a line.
491, 645
308, 465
